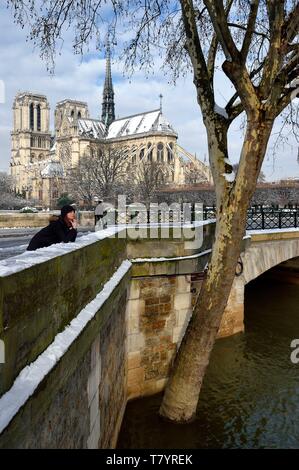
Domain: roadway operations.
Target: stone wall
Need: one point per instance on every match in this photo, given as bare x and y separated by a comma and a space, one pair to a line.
37, 303
40, 219
125, 351
19, 220
80, 403
158, 311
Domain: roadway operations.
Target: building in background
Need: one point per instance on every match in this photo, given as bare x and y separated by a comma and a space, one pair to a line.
40, 162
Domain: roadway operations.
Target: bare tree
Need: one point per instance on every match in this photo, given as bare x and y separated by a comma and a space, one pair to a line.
6, 183
150, 175
79, 182
8, 199
193, 174
110, 168
101, 172
256, 44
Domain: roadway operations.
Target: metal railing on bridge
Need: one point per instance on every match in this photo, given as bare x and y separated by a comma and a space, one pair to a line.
266, 218
259, 218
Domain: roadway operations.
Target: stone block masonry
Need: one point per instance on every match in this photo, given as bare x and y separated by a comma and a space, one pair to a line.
16, 219
158, 310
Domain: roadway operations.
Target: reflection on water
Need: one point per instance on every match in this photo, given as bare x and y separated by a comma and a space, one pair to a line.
250, 396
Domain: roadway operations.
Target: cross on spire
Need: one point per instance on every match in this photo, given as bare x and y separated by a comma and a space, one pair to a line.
161, 97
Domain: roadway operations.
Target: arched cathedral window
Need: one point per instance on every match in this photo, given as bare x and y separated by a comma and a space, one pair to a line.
31, 116
38, 111
160, 152
141, 154
149, 152
134, 155
170, 153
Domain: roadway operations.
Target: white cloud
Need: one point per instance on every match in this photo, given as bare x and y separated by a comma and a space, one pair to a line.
23, 70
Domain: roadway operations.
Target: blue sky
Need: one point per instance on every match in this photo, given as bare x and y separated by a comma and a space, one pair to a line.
82, 79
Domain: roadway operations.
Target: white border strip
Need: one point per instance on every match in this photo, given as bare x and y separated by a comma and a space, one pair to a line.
31, 376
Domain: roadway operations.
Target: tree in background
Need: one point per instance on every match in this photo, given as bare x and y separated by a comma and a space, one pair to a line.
255, 45
150, 176
8, 199
193, 174
64, 200
102, 172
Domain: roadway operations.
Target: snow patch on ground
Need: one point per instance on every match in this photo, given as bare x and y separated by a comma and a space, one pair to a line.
13, 248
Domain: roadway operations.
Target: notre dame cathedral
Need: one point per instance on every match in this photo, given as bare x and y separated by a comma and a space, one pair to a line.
40, 161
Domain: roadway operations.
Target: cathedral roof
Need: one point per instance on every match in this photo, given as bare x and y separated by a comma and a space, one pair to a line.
52, 169
149, 122
91, 128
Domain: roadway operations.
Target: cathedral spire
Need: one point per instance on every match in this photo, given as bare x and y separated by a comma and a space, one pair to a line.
108, 113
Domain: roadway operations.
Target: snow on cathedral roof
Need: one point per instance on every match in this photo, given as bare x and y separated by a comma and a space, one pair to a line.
91, 128
149, 122
52, 169
152, 121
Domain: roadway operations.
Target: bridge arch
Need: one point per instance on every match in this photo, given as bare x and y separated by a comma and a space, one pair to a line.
265, 251
262, 256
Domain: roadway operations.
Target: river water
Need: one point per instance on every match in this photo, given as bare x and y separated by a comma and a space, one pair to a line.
250, 395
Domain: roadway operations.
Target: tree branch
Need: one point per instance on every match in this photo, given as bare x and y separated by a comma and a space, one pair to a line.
244, 28
249, 29
193, 46
213, 48
230, 107
275, 56
291, 25
285, 100
241, 79
219, 21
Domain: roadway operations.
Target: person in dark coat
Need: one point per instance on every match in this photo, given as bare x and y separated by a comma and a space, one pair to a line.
60, 229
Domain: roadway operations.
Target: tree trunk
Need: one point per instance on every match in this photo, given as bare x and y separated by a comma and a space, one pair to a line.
183, 388
182, 392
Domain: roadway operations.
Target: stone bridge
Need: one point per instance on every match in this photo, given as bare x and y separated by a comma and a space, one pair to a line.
90, 325
263, 250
